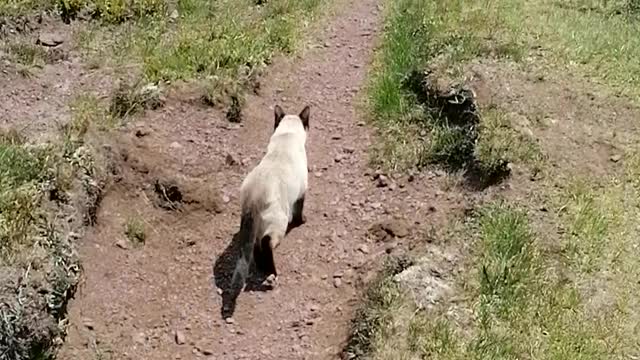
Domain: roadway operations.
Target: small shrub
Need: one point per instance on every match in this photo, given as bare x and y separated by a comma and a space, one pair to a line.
26, 53
129, 99
112, 11
135, 231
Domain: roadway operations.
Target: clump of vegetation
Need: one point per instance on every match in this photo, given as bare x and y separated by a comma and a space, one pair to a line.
40, 266
36, 255
373, 316
525, 302
26, 53
135, 231
423, 122
129, 99
112, 11
225, 43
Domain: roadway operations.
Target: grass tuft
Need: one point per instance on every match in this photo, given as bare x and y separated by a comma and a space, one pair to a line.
374, 315
135, 231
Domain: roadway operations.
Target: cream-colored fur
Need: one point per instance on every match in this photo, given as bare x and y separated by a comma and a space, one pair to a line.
272, 194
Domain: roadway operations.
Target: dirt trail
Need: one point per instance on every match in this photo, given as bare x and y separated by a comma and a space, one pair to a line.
141, 302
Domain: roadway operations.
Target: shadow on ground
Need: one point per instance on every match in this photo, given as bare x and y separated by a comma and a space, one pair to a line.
223, 271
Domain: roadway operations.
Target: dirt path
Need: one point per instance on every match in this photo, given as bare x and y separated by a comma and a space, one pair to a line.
159, 301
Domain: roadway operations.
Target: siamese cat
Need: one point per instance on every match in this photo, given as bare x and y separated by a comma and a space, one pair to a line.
272, 197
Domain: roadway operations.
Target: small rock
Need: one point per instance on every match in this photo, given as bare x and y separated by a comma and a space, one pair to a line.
229, 160
390, 246
382, 181
337, 282
397, 228
338, 274
175, 145
225, 199
179, 337
229, 320
348, 150
314, 308
205, 351
88, 323
174, 14
122, 244
219, 291
49, 39
338, 158
317, 174
140, 338
295, 324
364, 249
142, 132
616, 158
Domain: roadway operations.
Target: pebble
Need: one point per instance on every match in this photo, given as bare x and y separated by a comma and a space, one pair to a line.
229, 320
179, 337
364, 249
337, 282
140, 338
122, 244
175, 145
382, 181
88, 323
230, 160
49, 39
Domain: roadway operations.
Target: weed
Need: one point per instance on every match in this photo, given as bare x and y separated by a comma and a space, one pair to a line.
226, 42
373, 316
26, 53
112, 11
135, 231
130, 98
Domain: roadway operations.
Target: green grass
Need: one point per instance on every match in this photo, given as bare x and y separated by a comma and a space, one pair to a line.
420, 34
37, 233
12, 8
135, 231
444, 36
520, 302
216, 39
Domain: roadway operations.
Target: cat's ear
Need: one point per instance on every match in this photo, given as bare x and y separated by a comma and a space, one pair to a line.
304, 116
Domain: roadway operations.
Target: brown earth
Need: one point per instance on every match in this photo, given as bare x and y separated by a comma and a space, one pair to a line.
37, 102
161, 300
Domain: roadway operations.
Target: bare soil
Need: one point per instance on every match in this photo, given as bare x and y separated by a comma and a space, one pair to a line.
162, 300
36, 99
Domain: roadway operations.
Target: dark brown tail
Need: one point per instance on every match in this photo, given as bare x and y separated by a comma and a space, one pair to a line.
241, 272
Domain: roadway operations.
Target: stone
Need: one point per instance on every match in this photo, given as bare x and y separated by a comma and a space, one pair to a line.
49, 39
179, 337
